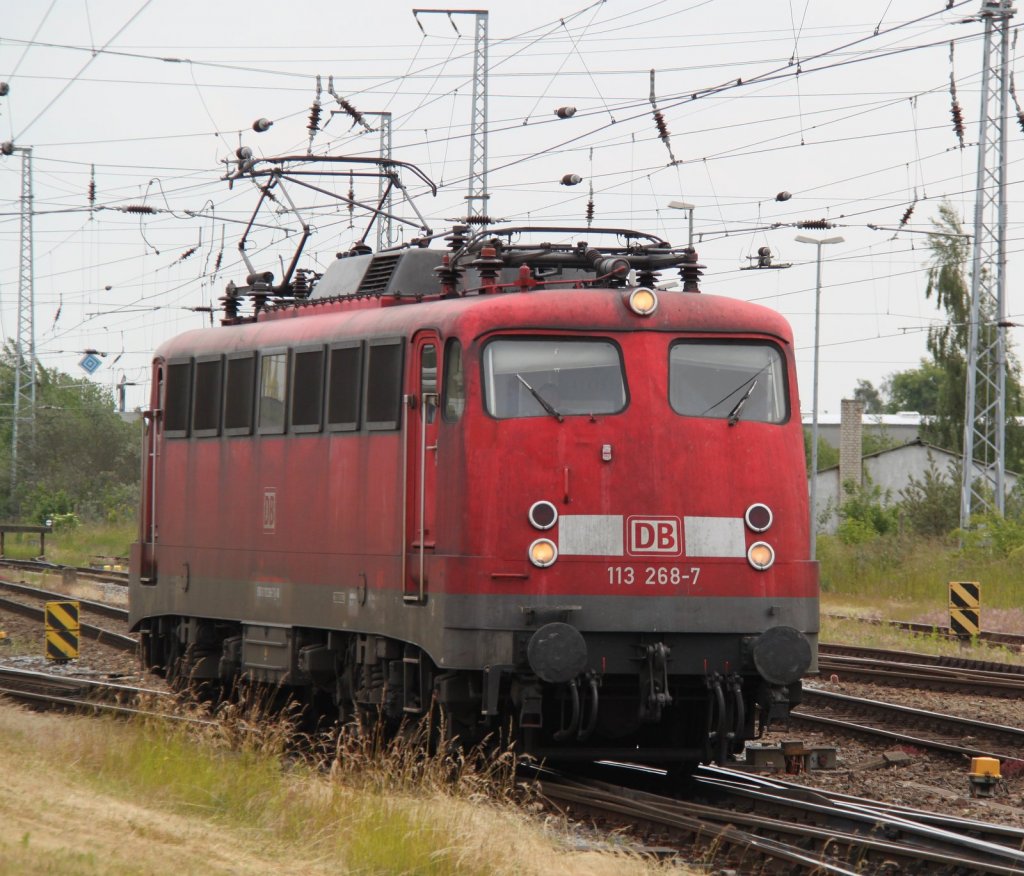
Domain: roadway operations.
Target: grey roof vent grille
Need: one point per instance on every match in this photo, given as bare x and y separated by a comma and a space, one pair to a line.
378, 275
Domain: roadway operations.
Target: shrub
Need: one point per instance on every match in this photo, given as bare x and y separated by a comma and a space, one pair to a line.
932, 506
865, 513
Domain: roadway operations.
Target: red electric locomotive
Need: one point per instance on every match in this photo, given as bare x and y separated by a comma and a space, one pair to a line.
510, 480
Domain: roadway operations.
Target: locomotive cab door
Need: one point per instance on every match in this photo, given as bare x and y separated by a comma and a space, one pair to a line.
422, 416
144, 560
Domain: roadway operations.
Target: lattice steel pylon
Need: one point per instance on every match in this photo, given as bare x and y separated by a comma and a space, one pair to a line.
984, 465
385, 227
25, 343
476, 198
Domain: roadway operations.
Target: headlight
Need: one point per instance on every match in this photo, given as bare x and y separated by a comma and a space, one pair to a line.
543, 552
758, 517
543, 514
760, 555
642, 301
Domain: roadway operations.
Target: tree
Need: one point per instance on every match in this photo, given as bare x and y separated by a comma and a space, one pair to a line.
938, 388
916, 389
870, 397
947, 343
78, 454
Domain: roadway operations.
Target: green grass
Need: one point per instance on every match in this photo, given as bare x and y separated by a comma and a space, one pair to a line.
915, 572
75, 545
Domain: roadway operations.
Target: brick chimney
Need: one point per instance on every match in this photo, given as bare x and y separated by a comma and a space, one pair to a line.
851, 427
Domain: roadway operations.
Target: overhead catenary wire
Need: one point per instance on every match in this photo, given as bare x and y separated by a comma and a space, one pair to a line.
643, 169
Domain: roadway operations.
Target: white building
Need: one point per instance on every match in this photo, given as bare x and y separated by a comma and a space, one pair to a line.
891, 470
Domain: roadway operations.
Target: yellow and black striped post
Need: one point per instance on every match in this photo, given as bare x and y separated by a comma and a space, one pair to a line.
62, 631
965, 608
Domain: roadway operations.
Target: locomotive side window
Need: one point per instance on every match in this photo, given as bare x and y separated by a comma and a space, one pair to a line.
307, 390
239, 393
206, 396
383, 384
741, 380
538, 377
273, 392
176, 399
428, 380
454, 382
344, 381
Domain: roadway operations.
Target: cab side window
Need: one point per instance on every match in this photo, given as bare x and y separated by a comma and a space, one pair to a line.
273, 392
454, 382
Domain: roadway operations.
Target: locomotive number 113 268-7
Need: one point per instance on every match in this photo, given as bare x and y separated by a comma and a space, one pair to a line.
653, 576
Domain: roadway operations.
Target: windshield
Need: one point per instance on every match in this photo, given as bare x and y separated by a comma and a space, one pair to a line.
540, 377
735, 381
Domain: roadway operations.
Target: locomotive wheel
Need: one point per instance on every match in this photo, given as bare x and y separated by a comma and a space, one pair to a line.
175, 670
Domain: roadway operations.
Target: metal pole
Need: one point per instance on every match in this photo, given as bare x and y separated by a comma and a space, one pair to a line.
25, 342
476, 197
814, 413
982, 485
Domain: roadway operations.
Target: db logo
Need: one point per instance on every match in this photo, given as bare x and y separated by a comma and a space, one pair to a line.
269, 510
655, 535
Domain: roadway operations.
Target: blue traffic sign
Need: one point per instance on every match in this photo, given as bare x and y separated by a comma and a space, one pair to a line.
90, 362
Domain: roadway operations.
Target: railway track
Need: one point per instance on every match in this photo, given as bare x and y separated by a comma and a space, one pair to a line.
888, 721
765, 826
1013, 640
100, 635
906, 669
70, 693
106, 576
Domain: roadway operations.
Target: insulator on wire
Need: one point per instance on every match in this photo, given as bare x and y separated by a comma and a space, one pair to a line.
571, 179
958, 121
907, 214
314, 118
137, 208
590, 212
783, 196
1016, 103
188, 252
565, 112
357, 117
217, 261
92, 185
478, 220
955, 111
816, 224
5, 89
262, 125
351, 201
659, 122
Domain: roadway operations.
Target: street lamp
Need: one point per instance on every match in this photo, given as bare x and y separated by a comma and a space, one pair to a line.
819, 243
682, 205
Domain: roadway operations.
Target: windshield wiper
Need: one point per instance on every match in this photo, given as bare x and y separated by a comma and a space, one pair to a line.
543, 402
739, 405
734, 414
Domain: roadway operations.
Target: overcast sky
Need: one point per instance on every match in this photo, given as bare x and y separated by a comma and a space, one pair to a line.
846, 106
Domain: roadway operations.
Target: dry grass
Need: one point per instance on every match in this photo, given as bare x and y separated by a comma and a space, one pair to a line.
854, 632
103, 797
